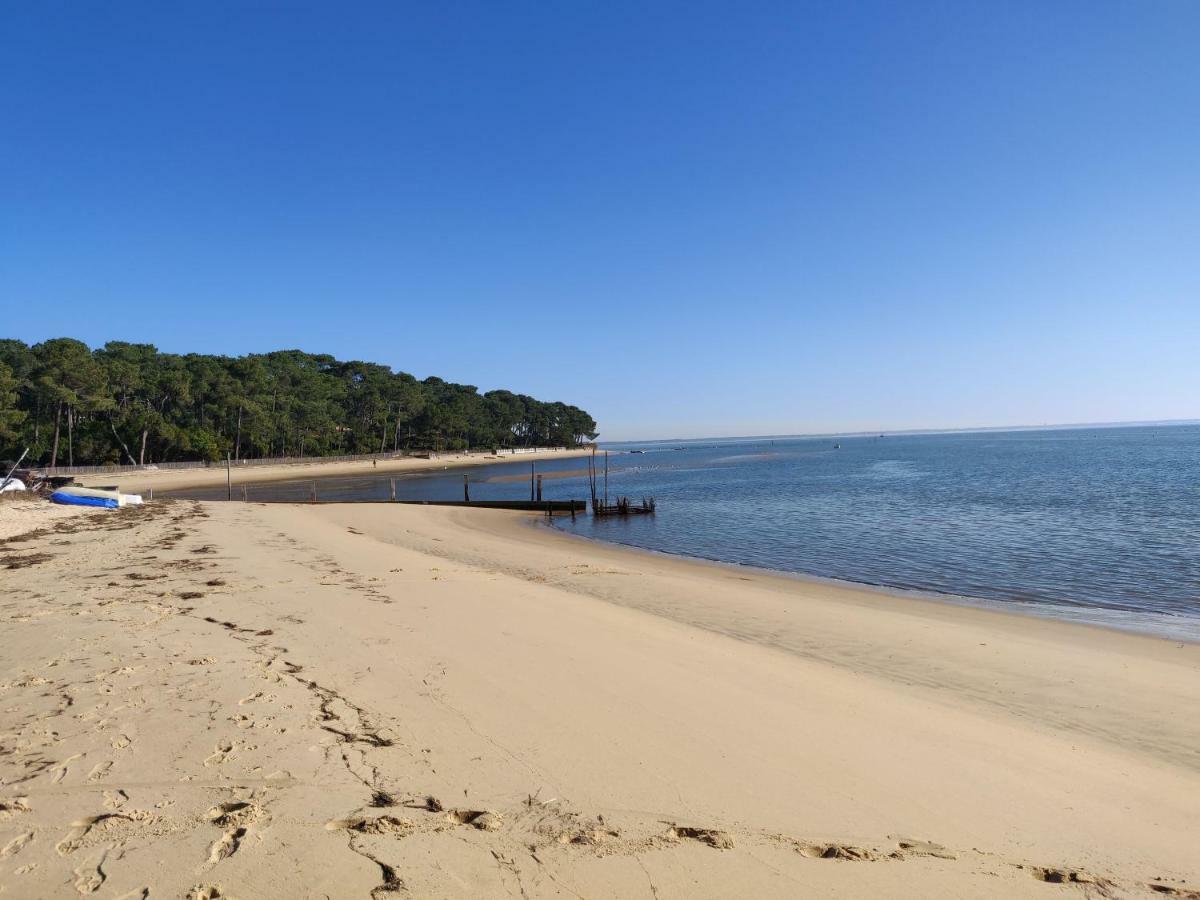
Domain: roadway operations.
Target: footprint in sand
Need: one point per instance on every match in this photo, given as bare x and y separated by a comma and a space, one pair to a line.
1169, 891
235, 817
114, 828
220, 754
100, 770
90, 875
834, 851
235, 812
909, 847
13, 847
1063, 876
226, 845
482, 819
721, 840
582, 834
59, 772
383, 825
114, 800
79, 830
14, 806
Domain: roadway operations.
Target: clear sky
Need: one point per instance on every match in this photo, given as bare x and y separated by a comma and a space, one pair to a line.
690, 218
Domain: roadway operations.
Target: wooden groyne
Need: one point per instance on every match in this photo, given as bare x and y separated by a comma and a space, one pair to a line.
546, 506
622, 506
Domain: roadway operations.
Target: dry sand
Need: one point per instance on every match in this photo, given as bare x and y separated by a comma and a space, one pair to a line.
20, 514
164, 480
242, 700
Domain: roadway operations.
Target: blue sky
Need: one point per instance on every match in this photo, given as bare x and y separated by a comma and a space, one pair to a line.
691, 219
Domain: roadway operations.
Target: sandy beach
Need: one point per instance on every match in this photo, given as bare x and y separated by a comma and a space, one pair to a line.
245, 700
166, 480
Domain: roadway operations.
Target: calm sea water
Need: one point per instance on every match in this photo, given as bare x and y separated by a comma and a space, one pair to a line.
1099, 525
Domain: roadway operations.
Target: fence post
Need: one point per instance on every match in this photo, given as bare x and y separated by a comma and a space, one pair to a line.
393, 481
466, 490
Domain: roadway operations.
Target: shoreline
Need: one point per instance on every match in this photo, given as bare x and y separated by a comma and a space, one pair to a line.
167, 480
341, 698
1152, 623
1048, 610
1160, 626
863, 594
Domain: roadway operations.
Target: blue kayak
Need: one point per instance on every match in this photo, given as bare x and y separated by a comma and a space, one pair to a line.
76, 500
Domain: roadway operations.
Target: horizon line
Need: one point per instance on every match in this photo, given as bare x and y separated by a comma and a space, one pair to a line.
968, 429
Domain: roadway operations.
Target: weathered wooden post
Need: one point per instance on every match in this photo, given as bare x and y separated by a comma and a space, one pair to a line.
606, 478
393, 481
313, 495
539, 488
532, 466
151, 492
228, 479
243, 493
466, 490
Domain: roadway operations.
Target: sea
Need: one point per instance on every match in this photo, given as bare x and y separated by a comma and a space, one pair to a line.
1097, 525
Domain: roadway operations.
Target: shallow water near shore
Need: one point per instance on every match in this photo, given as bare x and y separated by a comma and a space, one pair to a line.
1095, 525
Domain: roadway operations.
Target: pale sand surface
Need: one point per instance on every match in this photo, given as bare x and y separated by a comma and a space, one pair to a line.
22, 514
163, 480
244, 700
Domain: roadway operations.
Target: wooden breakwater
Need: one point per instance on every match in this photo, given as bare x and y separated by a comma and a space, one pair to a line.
546, 506
621, 506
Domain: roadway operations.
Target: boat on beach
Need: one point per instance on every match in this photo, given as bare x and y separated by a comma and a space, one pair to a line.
73, 495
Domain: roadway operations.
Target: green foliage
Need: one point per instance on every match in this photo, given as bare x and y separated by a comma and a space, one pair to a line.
129, 403
10, 416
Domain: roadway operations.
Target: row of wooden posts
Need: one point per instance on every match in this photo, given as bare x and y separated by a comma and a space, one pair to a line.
535, 487
600, 506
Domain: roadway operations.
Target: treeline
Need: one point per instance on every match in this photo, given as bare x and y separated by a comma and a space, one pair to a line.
130, 404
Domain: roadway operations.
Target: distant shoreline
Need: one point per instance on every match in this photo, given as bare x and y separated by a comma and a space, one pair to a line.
915, 432
166, 480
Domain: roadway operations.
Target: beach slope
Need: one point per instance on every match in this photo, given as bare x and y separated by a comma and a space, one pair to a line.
243, 700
